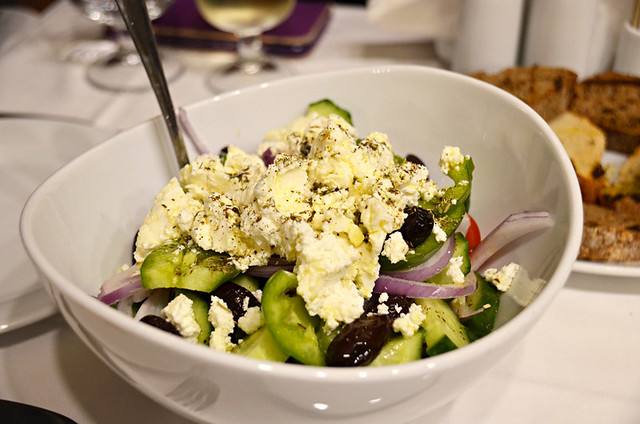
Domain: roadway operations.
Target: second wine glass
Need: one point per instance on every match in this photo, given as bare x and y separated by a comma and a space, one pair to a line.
247, 20
122, 70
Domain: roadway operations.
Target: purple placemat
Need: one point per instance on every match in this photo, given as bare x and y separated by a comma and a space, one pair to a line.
182, 26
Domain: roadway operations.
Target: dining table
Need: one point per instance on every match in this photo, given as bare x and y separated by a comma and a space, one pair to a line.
579, 364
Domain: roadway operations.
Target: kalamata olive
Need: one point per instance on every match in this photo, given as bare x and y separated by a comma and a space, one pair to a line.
415, 159
237, 298
360, 341
133, 248
161, 323
396, 305
417, 226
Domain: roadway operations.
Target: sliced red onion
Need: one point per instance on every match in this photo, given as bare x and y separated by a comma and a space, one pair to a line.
398, 286
124, 305
513, 227
275, 264
267, 271
191, 134
427, 269
268, 157
123, 285
157, 300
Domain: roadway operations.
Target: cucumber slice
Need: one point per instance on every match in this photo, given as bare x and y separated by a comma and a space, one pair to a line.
248, 282
443, 330
326, 107
487, 296
400, 349
286, 317
260, 345
177, 265
201, 312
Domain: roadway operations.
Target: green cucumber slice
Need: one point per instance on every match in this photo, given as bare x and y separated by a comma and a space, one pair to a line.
260, 345
400, 349
201, 311
326, 107
178, 265
443, 330
487, 296
286, 317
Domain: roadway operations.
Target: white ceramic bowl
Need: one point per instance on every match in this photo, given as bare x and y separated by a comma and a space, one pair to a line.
79, 225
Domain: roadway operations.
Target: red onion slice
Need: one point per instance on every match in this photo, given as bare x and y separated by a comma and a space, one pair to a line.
275, 264
196, 142
398, 286
513, 227
122, 285
154, 304
268, 157
427, 269
267, 271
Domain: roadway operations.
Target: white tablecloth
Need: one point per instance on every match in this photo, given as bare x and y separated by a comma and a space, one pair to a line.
580, 364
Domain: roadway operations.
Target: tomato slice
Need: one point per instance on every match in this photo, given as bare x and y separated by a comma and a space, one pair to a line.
473, 233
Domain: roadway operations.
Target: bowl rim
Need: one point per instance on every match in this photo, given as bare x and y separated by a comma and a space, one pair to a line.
494, 340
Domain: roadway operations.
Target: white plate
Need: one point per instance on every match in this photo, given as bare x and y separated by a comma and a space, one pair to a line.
30, 151
612, 269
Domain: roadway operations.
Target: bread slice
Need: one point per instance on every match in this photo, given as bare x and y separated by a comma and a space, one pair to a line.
609, 235
612, 101
585, 144
549, 91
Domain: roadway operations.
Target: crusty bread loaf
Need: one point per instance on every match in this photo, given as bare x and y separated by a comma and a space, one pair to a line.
612, 101
609, 235
549, 91
585, 144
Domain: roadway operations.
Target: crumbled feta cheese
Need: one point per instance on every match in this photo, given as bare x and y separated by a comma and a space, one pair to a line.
179, 312
450, 158
408, 323
251, 320
502, 278
440, 234
221, 317
453, 271
161, 223
395, 248
328, 202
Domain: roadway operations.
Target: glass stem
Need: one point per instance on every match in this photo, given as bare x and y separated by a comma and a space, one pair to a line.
251, 56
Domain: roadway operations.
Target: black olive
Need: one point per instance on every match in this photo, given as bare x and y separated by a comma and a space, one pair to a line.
415, 159
161, 323
235, 297
417, 226
360, 341
133, 248
396, 305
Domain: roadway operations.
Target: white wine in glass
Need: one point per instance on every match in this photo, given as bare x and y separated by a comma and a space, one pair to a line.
123, 70
247, 20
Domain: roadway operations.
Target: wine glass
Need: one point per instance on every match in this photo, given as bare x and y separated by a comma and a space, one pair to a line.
123, 70
247, 20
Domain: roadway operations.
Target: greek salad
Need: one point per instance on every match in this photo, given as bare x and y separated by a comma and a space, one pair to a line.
324, 248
